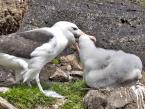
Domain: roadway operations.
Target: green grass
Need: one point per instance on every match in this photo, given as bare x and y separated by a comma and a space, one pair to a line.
25, 97
141, 2
74, 93
56, 61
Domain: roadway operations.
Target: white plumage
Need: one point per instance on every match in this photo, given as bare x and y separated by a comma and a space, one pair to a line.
16, 63
108, 68
63, 33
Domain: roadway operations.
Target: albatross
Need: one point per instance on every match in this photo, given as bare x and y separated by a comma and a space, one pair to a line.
105, 68
63, 33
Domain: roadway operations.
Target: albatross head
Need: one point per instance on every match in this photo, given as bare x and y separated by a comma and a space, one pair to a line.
70, 30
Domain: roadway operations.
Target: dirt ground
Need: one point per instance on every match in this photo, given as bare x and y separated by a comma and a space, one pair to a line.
11, 14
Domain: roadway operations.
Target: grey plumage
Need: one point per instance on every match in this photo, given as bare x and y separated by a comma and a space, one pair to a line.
108, 68
39, 34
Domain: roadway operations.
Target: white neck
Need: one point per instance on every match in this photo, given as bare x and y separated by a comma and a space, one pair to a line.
60, 40
63, 35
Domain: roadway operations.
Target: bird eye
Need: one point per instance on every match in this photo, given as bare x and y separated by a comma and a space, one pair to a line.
74, 28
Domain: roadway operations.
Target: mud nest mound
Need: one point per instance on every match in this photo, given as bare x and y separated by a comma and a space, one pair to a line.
11, 14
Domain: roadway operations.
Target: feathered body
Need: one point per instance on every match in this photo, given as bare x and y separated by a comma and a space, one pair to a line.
44, 54
108, 68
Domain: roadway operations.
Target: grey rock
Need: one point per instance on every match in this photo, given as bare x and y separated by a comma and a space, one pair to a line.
7, 77
71, 59
122, 98
4, 89
4, 104
76, 73
46, 72
59, 76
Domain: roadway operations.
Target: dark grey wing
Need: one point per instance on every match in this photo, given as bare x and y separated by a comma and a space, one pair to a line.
39, 35
21, 44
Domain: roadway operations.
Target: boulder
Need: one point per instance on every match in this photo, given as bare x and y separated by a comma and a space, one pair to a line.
122, 98
60, 76
7, 77
4, 104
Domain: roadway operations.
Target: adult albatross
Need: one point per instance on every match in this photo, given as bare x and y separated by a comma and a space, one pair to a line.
105, 68
63, 33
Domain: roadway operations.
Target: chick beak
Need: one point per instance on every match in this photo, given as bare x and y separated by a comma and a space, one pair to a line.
80, 33
93, 38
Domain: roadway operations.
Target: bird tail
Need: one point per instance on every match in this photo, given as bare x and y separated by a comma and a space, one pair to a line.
13, 62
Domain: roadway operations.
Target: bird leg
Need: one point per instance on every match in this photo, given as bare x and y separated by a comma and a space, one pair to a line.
29, 83
47, 93
38, 83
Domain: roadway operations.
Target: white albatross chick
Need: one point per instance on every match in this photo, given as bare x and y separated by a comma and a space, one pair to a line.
105, 68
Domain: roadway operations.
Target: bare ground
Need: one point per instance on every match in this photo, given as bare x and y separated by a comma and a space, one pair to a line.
11, 14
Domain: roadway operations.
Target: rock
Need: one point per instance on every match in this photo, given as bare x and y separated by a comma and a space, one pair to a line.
76, 73
57, 105
121, 98
4, 104
72, 60
60, 76
46, 72
65, 66
94, 100
11, 14
7, 77
4, 89
117, 24
68, 68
